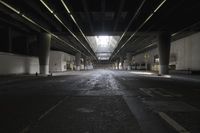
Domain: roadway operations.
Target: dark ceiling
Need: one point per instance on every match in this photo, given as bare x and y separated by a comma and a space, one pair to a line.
104, 17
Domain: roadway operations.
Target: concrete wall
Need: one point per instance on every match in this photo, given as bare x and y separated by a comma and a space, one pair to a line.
187, 52
101, 66
17, 64
55, 63
60, 61
184, 54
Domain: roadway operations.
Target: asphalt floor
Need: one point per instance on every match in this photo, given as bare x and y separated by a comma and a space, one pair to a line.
99, 101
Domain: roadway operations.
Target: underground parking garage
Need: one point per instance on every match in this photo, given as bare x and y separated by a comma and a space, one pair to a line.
99, 66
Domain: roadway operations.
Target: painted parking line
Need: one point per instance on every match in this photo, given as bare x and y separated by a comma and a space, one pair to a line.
161, 92
26, 129
171, 93
158, 91
146, 91
173, 123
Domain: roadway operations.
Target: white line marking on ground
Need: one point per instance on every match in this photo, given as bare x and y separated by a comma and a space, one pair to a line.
52, 108
146, 91
173, 123
159, 92
26, 129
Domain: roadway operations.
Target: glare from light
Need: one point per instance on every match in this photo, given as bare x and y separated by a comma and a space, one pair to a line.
102, 41
167, 76
142, 73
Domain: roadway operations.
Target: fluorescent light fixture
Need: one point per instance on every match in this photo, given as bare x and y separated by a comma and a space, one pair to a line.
10, 7
68, 11
73, 18
148, 18
174, 34
65, 6
51, 11
36, 24
140, 27
159, 6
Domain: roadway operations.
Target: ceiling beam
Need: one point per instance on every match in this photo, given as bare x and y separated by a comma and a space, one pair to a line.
85, 7
35, 7
103, 8
118, 14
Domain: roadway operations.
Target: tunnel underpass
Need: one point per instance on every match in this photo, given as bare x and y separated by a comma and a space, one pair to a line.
101, 66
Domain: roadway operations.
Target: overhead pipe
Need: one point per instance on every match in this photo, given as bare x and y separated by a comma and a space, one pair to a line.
37, 25
146, 20
51, 11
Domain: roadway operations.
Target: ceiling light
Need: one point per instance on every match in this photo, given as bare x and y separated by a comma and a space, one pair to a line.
51, 11
159, 6
10, 7
65, 6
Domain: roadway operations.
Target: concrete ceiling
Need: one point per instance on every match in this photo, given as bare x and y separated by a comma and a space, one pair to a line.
103, 17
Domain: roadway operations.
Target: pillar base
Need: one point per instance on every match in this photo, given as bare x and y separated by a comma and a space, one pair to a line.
78, 68
163, 69
129, 68
86, 67
44, 69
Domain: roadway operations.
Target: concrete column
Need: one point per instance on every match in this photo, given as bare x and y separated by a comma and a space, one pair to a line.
44, 52
113, 66
78, 61
117, 64
90, 64
122, 63
164, 41
85, 62
129, 58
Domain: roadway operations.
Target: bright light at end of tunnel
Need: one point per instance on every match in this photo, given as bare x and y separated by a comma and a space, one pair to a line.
102, 40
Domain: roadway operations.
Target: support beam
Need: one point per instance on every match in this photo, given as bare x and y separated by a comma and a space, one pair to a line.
103, 8
44, 52
164, 51
118, 15
85, 7
122, 63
